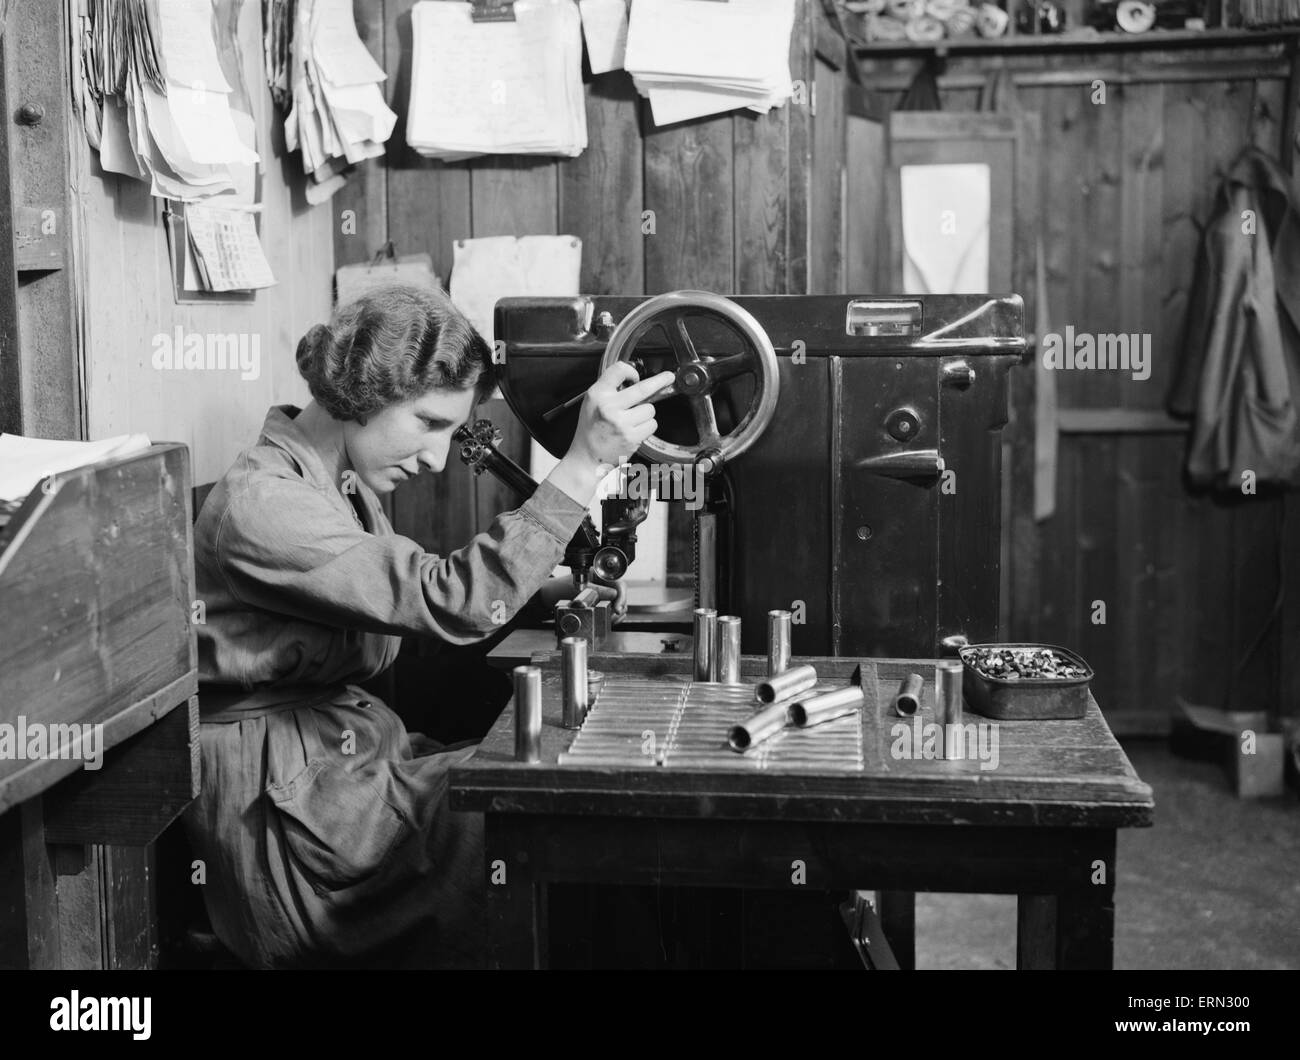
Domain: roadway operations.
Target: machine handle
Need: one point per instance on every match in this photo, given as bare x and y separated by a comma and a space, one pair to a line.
911, 464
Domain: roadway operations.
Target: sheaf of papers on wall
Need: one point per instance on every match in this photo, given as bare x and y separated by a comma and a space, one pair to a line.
171, 106
337, 116
692, 58
496, 87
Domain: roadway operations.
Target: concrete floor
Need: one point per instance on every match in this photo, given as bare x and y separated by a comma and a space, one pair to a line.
1215, 884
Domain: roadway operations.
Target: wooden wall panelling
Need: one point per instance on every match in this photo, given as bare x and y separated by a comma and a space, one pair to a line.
1018, 435
1145, 623
1187, 197
689, 171
602, 191
762, 163
864, 161
826, 253
800, 151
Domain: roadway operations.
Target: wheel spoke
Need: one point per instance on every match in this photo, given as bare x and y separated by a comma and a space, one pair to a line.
680, 338
728, 367
706, 420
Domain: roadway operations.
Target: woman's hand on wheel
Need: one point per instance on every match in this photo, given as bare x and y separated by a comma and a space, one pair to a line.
612, 424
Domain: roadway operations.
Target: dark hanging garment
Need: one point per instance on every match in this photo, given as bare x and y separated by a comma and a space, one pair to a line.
1238, 377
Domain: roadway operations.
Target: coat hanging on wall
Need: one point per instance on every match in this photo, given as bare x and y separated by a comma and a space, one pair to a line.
1239, 374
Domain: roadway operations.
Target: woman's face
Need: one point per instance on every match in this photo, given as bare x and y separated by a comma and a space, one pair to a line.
405, 439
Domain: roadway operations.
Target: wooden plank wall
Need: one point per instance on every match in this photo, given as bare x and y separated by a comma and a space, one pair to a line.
728, 198
1188, 582
127, 299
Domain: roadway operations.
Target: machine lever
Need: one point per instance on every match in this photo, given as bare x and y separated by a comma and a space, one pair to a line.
910, 464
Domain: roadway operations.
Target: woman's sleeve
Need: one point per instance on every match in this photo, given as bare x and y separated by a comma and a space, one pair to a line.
282, 546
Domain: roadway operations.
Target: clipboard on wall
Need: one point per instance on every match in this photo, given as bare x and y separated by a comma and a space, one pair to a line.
186, 288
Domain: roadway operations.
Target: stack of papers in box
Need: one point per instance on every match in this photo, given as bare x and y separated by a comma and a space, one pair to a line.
496, 87
339, 116
24, 462
692, 57
174, 112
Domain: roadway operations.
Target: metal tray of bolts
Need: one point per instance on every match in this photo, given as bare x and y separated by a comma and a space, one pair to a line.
1016, 688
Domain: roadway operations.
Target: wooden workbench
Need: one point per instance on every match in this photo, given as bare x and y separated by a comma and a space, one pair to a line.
1041, 825
97, 586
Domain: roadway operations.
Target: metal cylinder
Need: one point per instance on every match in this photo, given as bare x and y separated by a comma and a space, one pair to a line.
830, 705
528, 714
761, 726
778, 642
728, 647
588, 597
908, 700
706, 634
947, 705
786, 684
573, 675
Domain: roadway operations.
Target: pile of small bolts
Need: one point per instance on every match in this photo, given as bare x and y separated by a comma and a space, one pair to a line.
1019, 664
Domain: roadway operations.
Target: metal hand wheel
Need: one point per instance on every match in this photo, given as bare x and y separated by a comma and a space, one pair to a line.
698, 376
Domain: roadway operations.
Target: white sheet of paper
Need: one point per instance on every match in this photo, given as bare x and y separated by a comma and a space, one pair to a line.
207, 128
945, 228
744, 40
604, 24
115, 152
337, 47
360, 112
484, 270
24, 462
188, 45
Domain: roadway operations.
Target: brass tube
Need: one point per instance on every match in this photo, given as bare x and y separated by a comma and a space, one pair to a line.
947, 705
728, 647
786, 684
573, 670
761, 726
706, 627
829, 705
908, 700
778, 642
528, 714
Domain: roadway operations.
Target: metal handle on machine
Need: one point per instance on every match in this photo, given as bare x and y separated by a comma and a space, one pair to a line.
909, 465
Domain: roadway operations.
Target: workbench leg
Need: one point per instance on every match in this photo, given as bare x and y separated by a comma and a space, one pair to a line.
1085, 930
898, 919
516, 902
1036, 931
29, 905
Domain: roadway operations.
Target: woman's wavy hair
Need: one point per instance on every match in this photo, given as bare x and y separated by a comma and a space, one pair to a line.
391, 344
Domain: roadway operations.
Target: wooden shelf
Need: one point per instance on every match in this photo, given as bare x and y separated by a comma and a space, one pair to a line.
1076, 41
